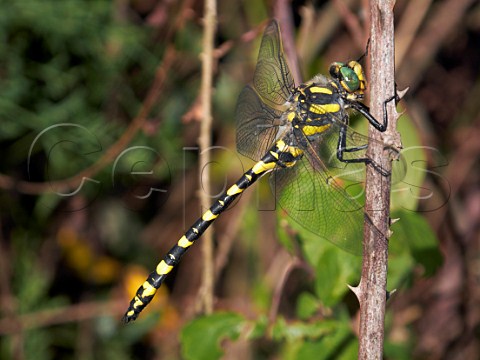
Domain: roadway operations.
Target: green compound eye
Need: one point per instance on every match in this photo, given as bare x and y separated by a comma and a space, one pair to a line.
350, 80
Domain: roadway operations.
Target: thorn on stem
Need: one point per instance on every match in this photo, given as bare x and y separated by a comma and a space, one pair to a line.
401, 93
356, 290
393, 221
390, 293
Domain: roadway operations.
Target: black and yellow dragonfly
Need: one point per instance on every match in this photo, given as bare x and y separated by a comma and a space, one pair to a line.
292, 133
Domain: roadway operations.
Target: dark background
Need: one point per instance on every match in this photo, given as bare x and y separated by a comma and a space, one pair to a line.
75, 80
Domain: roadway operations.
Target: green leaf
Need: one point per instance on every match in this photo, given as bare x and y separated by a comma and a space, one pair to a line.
400, 268
334, 271
302, 330
410, 171
260, 328
283, 236
337, 343
421, 240
398, 351
334, 268
201, 339
307, 305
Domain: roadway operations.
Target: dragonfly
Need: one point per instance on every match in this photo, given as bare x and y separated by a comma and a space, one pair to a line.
298, 134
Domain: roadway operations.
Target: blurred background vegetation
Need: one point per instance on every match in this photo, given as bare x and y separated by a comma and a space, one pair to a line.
100, 112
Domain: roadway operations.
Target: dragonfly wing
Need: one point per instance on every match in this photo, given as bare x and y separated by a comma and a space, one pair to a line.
318, 202
272, 79
256, 129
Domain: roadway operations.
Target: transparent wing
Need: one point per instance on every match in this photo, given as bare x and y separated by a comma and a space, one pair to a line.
319, 204
323, 194
272, 79
261, 104
256, 129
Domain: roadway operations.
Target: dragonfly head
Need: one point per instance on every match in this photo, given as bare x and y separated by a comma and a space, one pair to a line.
351, 78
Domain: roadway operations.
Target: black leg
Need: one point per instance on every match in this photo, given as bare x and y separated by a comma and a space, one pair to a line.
365, 111
342, 148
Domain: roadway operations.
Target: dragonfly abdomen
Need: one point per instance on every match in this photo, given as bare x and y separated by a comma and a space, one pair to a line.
280, 153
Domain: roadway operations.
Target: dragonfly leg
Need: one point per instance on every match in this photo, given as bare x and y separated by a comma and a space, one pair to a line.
365, 111
342, 148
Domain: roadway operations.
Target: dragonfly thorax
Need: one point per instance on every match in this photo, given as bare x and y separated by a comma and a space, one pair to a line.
316, 105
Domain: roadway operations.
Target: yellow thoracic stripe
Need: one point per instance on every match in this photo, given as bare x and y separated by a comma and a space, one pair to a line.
320, 90
324, 108
312, 130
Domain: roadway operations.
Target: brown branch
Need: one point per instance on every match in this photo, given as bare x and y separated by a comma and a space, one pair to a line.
314, 37
210, 24
246, 37
194, 113
211, 268
282, 12
412, 19
352, 23
371, 291
289, 264
63, 315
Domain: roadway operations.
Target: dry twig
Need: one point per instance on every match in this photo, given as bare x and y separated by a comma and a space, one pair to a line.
209, 23
371, 291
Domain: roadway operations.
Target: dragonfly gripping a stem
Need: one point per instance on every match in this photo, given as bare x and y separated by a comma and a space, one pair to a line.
300, 135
